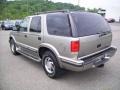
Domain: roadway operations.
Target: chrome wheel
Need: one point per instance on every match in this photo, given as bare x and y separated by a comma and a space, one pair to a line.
49, 65
12, 47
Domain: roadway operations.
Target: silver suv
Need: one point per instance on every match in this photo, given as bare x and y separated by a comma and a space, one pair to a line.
64, 40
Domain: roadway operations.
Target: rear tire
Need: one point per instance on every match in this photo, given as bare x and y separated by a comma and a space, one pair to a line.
13, 47
50, 65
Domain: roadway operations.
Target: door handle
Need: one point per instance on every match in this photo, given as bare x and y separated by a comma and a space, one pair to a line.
25, 36
39, 38
99, 45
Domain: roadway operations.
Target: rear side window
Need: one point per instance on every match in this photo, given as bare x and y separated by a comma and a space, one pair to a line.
89, 23
58, 24
35, 25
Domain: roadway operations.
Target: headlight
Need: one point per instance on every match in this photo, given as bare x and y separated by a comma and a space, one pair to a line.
6, 25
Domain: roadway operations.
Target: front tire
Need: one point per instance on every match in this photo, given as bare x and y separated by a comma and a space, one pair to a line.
50, 65
13, 47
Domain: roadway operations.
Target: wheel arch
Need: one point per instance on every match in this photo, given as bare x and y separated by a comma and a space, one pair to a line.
12, 37
44, 47
47, 47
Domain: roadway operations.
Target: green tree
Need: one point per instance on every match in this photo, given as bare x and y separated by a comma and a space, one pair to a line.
2, 5
18, 9
94, 10
2, 1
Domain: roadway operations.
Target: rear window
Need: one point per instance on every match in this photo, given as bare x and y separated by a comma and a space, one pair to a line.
89, 23
58, 24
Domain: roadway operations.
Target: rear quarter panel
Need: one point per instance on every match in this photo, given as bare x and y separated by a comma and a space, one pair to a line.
62, 45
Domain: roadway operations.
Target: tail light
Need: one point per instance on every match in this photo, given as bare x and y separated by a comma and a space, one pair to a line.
75, 46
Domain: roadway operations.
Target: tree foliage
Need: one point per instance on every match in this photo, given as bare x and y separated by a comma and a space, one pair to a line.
2, 1
20, 8
92, 10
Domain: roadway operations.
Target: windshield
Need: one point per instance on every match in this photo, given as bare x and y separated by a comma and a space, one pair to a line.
9, 22
89, 23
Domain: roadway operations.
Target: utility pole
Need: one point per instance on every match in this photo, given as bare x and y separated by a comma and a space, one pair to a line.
27, 7
78, 2
119, 19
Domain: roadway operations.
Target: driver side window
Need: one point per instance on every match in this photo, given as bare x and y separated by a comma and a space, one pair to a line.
24, 25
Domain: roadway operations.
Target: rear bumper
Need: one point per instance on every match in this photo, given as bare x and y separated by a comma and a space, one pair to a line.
90, 61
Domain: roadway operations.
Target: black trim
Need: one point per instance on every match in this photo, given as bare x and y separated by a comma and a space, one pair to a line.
73, 64
92, 58
69, 21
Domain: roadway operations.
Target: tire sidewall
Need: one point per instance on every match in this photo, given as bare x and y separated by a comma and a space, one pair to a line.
54, 60
13, 43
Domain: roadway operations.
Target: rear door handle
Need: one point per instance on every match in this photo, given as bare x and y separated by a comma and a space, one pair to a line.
99, 45
25, 36
39, 38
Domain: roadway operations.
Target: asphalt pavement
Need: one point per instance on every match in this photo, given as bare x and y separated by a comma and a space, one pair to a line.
21, 73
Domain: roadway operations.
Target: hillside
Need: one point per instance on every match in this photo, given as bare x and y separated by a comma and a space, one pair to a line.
20, 8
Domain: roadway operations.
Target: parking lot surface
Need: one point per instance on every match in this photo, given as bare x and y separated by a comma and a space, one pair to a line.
21, 73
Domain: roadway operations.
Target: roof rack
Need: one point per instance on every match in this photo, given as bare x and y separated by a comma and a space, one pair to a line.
65, 10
